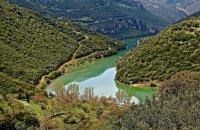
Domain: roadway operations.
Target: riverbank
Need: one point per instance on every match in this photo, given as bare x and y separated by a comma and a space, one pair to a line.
100, 75
147, 85
73, 64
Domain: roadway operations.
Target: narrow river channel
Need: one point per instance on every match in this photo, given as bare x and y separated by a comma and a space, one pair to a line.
100, 75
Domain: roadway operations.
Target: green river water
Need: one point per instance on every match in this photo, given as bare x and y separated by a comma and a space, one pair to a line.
100, 75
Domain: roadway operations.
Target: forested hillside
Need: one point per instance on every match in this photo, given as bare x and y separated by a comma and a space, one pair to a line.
116, 18
32, 46
176, 108
158, 58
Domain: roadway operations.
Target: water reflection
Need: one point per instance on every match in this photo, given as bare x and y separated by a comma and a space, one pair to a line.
100, 75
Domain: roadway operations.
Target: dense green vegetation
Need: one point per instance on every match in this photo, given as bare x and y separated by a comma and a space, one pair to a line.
158, 58
172, 57
175, 108
67, 109
116, 18
32, 46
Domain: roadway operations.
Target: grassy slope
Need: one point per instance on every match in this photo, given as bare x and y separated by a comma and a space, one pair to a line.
32, 46
158, 58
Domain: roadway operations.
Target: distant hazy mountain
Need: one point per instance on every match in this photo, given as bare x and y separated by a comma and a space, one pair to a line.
197, 14
172, 9
116, 18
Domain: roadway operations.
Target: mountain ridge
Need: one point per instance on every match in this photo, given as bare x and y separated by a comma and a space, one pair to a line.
172, 9
115, 18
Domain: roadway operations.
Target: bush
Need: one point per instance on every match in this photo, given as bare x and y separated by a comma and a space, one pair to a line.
153, 85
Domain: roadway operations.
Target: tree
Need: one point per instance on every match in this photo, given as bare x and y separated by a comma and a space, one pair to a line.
59, 90
39, 97
27, 97
123, 97
74, 90
99, 112
88, 93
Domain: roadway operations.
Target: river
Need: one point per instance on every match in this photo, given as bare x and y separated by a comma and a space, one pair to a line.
100, 75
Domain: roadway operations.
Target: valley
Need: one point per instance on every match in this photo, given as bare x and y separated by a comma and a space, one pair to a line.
101, 76
33, 46
99, 65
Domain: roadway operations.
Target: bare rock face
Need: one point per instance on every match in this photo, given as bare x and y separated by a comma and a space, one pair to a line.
172, 9
125, 24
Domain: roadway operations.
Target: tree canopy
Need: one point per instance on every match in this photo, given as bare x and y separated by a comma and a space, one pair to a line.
175, 49
176, 107
32, 46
